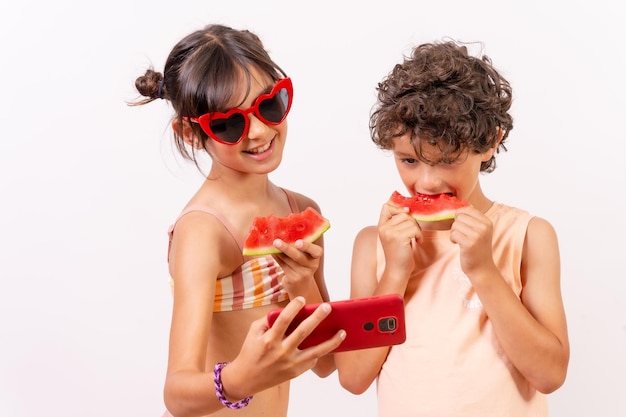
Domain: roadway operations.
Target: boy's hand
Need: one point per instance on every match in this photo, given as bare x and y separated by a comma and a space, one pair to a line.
473, 232
398, 232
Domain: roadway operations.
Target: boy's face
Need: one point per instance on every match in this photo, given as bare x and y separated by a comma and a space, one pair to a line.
459, 178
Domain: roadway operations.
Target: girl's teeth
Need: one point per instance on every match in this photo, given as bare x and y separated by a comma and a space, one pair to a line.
261, 149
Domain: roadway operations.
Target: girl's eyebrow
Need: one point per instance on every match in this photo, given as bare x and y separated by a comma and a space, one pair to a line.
266, 90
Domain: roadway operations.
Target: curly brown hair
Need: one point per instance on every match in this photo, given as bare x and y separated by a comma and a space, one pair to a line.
201, 74
446, 98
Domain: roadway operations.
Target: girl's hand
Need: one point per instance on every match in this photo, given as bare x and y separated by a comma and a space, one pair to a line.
299, 261
268, 357
473, 232
398, 233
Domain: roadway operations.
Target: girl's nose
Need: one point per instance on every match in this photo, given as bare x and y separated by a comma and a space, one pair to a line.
257, 129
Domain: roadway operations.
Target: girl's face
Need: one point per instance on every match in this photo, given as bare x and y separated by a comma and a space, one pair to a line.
459, 178
261, 150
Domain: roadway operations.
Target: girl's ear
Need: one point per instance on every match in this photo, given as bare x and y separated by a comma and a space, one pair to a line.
184, 129
489, 154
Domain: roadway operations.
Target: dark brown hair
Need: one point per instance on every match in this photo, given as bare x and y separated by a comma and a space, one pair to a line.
202, 72
447, 98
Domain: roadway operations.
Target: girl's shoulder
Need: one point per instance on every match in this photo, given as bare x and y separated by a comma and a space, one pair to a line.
301, 201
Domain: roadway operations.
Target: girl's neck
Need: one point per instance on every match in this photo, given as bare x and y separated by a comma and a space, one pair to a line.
236, 182
249, 186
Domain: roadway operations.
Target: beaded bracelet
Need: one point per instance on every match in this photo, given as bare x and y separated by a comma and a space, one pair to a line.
219, 389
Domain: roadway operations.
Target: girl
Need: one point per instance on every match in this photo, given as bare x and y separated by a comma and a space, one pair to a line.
231, 101
486, 328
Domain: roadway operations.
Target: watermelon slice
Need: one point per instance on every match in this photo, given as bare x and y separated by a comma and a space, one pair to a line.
308, 225
429, 208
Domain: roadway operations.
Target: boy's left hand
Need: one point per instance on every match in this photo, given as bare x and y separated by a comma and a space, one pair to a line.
473, 232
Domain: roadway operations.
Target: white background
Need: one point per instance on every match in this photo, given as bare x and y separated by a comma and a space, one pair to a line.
88, 185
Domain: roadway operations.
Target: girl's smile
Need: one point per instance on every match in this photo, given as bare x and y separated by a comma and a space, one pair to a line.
261, 152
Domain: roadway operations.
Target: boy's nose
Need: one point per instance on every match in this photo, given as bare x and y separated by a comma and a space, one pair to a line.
427, 180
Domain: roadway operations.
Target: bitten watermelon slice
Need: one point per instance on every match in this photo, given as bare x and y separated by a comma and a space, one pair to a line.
308, 225
429, 208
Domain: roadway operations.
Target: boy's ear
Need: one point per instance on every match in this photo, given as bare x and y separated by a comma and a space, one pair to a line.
184, 129
494, 147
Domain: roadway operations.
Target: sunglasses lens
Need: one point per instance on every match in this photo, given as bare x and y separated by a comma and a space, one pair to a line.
230, 130
274, 109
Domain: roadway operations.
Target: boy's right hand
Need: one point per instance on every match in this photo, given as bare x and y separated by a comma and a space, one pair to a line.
268, 357
398, 233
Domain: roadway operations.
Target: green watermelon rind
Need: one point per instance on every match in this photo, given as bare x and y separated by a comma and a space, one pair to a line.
446, 214
271, 250
442, 215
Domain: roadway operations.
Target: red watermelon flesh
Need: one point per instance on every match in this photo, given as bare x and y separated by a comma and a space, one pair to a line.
429, 208
308, 225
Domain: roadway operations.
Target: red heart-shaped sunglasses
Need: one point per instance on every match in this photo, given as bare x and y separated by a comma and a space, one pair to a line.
231, 127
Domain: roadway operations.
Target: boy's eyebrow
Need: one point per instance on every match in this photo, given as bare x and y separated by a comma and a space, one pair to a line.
404, 155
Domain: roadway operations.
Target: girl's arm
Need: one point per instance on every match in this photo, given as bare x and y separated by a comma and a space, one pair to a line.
531, 330
301, 263
267, 358
193, 261
326, 364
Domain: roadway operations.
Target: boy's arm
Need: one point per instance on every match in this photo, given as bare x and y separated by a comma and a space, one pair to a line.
358, 368
398, 233
532, 331
546, 359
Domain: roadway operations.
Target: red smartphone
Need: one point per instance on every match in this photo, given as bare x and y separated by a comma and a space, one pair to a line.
369, 322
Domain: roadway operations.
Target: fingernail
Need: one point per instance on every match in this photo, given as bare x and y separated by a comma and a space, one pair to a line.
278, 243
299, 244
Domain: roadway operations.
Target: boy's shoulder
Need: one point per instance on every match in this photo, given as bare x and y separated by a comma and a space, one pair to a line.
499, 209
504, 215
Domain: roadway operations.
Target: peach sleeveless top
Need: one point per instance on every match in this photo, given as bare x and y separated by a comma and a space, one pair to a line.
451, 363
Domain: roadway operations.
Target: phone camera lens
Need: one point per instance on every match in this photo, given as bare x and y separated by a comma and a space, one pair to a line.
387, 324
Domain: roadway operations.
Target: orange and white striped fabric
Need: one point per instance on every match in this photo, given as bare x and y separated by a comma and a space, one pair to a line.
256, 283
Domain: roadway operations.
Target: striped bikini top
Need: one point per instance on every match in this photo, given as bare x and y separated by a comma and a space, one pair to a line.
254, 283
